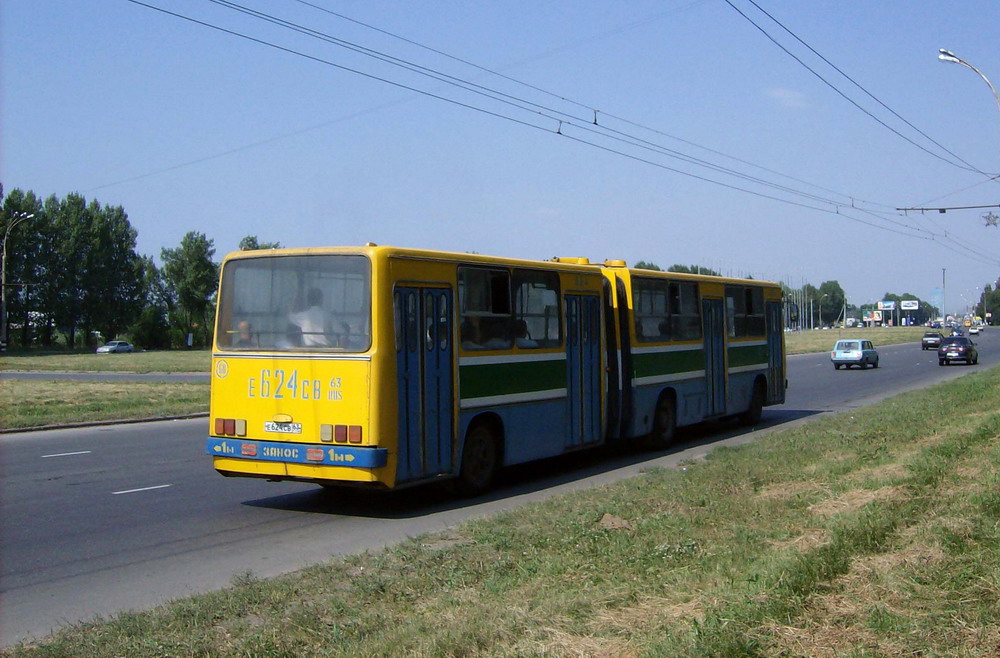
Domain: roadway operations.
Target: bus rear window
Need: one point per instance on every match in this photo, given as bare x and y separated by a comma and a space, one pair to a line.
296, 303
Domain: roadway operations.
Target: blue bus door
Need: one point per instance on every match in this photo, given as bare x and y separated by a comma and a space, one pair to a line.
583, 369
715, 356
424, 353
775, 339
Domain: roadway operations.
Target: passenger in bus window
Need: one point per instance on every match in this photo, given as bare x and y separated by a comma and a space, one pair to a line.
521, 337
497, 336
310, 320
244, 334
468, 336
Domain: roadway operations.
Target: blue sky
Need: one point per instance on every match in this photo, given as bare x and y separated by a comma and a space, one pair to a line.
190, 128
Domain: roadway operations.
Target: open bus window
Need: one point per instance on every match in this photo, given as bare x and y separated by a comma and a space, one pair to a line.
537, 321
745, 311
484, 298
296, 303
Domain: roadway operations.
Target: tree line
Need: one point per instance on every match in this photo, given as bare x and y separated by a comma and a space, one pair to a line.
827, 304
74, 278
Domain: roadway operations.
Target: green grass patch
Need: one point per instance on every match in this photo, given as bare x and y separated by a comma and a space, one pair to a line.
142, 362
34, 403
873, 532
804, 342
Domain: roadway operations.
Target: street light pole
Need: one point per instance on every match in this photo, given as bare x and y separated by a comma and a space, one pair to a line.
15, 219
948, 56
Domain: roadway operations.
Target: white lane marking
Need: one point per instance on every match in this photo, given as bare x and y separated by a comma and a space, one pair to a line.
128, 491
67, 454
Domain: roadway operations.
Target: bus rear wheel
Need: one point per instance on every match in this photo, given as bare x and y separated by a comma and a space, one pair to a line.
479, 461
664, 425
752, 415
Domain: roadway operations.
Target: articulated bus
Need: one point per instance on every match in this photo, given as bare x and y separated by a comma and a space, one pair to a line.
394, 367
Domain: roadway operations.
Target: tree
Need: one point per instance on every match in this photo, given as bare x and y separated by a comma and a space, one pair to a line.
27, 254
643, 265
250, 243
113, 271
693, 269
830, 302
192, 275
152, 329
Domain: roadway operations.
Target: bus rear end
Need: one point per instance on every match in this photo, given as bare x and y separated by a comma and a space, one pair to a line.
291, 369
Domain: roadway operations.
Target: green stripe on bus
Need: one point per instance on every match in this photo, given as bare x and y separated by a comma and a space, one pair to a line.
493, 379
749, 355
668, 363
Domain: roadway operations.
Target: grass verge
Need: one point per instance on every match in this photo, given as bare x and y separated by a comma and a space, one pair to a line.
804, 342
31, 403
867, 533
143, 362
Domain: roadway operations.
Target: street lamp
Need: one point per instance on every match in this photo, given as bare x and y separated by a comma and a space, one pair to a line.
948, 56
15, 219
820, 302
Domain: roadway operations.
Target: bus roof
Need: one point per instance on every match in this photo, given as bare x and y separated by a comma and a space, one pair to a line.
373, 250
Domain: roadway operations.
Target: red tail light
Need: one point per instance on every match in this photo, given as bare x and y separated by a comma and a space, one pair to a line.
230, 427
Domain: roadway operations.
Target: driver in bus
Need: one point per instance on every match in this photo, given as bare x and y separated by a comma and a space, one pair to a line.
310, 320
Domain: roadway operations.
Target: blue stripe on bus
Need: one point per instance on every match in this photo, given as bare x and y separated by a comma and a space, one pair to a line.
298, 453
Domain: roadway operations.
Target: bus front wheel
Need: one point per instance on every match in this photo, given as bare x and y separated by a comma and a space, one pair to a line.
479, 461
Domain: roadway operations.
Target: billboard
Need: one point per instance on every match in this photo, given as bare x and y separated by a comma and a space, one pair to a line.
909, 304
887, 306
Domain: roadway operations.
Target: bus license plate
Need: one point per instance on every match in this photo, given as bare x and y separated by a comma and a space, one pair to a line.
283, 428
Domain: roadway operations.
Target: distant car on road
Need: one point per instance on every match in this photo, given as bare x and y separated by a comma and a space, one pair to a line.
931, 340
974, 330
856, 352
115, 347
958, 348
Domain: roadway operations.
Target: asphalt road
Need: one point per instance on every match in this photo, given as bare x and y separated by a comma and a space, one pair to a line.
104, 519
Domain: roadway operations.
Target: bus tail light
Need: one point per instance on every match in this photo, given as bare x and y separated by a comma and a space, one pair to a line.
230, 427
340, 433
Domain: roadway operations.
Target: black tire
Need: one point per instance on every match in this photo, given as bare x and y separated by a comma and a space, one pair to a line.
875, 365
752, 415
941, 362
836, 366
480, 458
664, 425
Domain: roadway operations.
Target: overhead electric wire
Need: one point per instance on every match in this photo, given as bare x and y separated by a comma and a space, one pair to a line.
839, 92
538, 108
586, 106
969, 166
538, 111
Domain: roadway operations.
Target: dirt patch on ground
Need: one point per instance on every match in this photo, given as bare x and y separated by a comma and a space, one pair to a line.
855, 499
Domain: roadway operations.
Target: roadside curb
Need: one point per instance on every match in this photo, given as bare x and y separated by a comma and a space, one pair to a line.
98, 423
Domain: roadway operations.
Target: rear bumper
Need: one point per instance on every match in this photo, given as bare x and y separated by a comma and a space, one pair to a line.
297, 453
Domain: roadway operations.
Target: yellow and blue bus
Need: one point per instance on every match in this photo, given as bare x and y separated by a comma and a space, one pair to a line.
394, 367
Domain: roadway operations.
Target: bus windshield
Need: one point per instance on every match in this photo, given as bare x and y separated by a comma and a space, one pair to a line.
296, 303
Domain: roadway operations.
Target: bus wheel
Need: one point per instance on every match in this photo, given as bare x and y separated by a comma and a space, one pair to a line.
479, 461
752, 415
664, 425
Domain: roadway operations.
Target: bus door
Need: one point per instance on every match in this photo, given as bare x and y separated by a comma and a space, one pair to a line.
424, 356
715, 356
583, 369
775, 364
612, 365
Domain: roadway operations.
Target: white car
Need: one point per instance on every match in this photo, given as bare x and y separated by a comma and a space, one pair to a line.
974, 330
115, 347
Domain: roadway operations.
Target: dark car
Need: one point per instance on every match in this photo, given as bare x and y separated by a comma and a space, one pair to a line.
957, 348
931, 340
